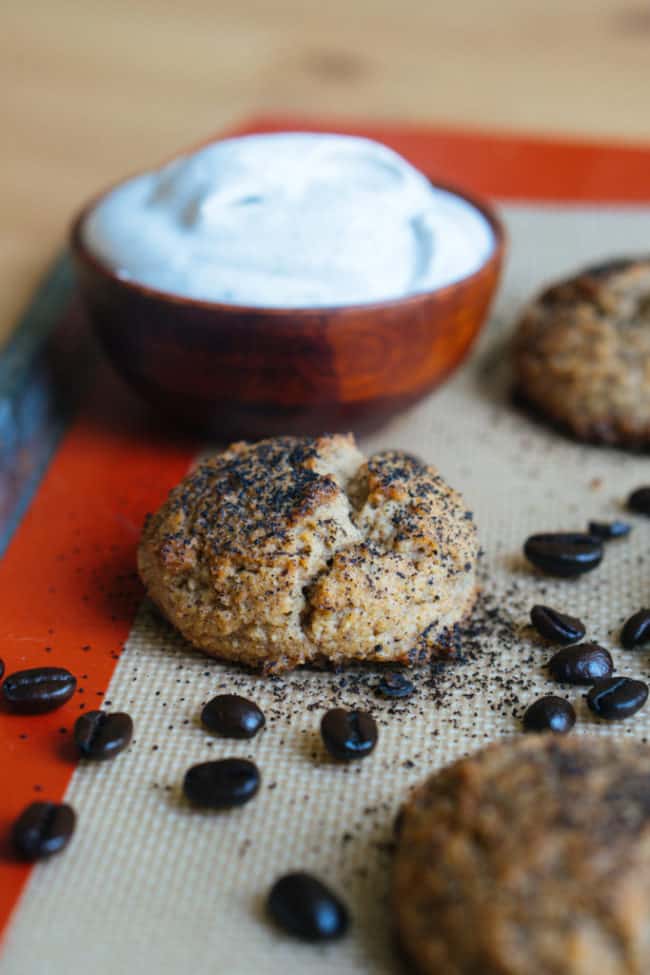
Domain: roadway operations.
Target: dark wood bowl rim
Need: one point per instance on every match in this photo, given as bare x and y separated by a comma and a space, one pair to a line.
83, 254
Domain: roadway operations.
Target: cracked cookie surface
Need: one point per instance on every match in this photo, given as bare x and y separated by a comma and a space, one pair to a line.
531, 857
299, 550
582, 353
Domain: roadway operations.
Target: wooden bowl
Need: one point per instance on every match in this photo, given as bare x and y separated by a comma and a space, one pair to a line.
235, 371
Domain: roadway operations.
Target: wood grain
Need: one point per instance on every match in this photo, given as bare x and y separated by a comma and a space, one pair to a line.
92, 90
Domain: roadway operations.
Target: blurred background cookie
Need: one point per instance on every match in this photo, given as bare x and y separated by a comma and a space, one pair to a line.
529, 858
582, 353
296, 550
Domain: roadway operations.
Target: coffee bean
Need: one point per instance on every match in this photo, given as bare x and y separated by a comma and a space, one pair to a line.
564, 553
583, 664
556, 626
100, 735
550, 713
38, 690
304, 907
43, 829
618, 697
348, 734
232, 716
395, 685
639, 501
637, 629
609, 529
222, 784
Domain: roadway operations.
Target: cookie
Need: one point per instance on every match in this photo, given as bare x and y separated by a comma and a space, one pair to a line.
299, 550
582, 354
531, 857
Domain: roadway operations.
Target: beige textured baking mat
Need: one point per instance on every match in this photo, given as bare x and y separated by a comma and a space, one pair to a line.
149, 884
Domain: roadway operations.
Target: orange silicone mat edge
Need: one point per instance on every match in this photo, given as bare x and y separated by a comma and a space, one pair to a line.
503, 165
69, 592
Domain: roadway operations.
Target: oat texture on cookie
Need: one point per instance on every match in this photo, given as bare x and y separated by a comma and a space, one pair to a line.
582, 353
530, 857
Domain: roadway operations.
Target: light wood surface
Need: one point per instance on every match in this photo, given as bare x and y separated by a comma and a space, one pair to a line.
92, 89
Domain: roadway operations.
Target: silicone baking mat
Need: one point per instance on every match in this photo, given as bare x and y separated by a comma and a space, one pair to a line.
149, 883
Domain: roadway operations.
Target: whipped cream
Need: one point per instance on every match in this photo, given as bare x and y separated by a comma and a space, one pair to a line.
289, 220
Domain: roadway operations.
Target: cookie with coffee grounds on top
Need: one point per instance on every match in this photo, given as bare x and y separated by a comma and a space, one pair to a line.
301, 550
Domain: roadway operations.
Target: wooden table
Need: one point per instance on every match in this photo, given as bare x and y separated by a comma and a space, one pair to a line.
91, 90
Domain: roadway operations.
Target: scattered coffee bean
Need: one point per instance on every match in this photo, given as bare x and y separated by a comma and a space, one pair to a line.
100, 735
222, 784
564, 553
38, 690
583, 664
609, 529
395, 684
348, 734
636, 630
43, 829
232, 716
304, 907
550, 713
639, 501
618, 697
556, 626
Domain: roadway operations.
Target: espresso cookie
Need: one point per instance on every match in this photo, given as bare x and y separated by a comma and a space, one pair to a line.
582, 353
300, 550
531, 857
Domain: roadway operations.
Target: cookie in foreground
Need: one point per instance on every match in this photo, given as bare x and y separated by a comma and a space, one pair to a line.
582, 353
531, 857
301, 550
